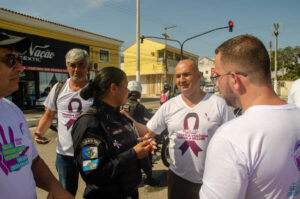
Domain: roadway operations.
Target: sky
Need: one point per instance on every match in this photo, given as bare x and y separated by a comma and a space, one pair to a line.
117, 19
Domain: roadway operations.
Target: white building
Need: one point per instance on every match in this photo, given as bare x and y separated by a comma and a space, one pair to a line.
207, 67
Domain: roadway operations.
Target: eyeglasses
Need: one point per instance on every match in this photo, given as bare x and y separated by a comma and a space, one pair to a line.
215, 78
11, 59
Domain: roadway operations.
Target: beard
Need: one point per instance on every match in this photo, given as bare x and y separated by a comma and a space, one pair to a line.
229, 97
77, 77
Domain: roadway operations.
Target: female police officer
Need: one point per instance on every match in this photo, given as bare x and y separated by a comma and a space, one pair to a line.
104, 141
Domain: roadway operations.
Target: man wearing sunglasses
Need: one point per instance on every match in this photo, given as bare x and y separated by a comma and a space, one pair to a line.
21, 168
256, 155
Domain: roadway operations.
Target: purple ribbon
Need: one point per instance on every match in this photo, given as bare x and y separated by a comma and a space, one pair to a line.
71, 121
190, 143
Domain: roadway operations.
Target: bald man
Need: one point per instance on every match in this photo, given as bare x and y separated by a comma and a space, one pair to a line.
191, 118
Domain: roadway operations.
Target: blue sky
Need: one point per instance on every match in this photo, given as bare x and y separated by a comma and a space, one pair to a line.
117, 19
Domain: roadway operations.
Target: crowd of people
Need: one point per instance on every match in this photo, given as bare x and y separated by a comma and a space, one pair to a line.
107, 136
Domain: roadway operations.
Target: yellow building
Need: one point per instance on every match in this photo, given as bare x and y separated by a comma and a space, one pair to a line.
45, 60
152, 67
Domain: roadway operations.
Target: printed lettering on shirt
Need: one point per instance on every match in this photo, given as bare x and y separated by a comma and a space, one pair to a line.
189, 135
89, 153
12, 152
294, 189
89, 165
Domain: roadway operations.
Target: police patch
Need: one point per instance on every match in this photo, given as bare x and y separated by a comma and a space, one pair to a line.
88, 165
89, 153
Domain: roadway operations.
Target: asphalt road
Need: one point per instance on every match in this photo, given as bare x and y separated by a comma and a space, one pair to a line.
48, 153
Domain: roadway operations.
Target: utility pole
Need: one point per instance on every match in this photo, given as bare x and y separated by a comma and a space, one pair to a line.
276, 33
138, 40
165, 52
270, 55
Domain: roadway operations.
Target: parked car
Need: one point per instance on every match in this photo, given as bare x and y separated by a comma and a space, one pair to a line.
40, 102
209, 88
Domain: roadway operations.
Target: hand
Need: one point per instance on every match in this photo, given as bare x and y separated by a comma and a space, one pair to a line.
151, 140
142, 149
5, 164
41, 139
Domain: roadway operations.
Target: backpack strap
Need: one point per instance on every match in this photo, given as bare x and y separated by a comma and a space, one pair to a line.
57, 91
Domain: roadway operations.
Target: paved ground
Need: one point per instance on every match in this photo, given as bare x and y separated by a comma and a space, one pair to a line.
48, 153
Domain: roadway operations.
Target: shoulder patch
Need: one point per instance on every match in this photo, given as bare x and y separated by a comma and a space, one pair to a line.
89, 153
89, 165
90, 141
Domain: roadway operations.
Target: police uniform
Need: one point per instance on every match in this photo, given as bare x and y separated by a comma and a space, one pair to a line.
136, 110
103, 141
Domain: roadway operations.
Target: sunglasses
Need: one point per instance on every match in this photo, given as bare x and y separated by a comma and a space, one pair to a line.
11, 59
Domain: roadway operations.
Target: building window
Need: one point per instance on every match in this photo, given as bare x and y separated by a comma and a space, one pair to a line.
103, 55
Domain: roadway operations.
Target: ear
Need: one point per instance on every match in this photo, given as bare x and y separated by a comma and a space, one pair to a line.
200, 74
113, 88
235, 81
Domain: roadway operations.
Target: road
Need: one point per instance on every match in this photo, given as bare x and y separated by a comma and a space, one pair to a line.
48, 153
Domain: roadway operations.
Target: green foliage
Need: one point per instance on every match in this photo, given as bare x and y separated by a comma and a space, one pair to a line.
287, 61
294, 74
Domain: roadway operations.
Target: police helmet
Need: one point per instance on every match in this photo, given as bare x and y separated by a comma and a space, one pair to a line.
134, 86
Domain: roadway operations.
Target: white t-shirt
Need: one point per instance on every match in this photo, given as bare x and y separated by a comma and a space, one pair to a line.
69, 105
16, 154
190, 130
256, 155
294, 93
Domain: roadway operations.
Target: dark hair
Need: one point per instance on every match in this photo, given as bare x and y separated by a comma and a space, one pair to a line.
102, 82
246, 53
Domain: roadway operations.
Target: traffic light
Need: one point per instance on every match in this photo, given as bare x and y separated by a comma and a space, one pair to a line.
142, 38
230, 23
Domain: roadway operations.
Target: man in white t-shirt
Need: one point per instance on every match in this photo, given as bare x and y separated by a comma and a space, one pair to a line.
256, 155
294, 94
191, 118
21, 168
68, 106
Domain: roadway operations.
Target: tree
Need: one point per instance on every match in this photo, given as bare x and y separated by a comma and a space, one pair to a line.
287, 62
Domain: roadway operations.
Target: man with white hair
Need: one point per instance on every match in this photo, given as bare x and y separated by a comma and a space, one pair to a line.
66, 101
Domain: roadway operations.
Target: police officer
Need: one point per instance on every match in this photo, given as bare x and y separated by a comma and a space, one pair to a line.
105, 143
135, 109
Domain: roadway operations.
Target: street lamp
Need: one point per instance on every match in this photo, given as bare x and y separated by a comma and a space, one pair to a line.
230, 25
165, 52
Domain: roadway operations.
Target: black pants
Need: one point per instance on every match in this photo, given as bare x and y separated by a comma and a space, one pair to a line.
96, 195
179, 188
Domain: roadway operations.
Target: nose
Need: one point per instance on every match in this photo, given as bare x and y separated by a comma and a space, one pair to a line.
18, 67
181, 78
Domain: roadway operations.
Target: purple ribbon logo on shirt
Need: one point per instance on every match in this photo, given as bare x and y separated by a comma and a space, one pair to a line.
117, 144
190, 143
70, 107
297, 154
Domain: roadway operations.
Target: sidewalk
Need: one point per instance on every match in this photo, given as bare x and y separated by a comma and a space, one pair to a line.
34, 115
